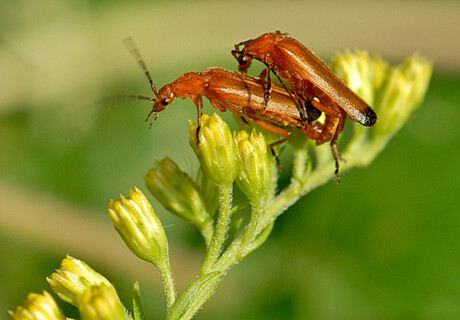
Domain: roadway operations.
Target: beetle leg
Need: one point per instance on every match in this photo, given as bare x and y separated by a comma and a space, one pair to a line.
339, 128
302, 106
266, 74
282, 132
217, 105
335, 119
244, 120
198, 101
333, 126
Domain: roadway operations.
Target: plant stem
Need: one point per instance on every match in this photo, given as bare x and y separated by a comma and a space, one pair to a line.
206, 230
300, 163
169, 285
253, 228
361, 155
303, 181
218, 238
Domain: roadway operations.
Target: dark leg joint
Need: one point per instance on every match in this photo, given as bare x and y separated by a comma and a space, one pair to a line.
278, 163
198, 134
337, 158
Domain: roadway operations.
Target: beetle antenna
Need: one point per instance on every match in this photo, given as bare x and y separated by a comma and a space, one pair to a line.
109, 102
131, 46
237, 46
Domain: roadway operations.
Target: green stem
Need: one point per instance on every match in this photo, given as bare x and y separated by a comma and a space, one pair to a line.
169, 285
300, 162
206, 230
253, 229
220, 231
362, 155
303, 181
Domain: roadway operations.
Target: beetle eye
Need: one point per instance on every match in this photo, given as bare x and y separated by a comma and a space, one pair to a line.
165, 101
242, 59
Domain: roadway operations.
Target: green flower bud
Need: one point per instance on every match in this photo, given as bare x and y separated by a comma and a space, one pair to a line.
362, 73
38, 307
216, 150
140, 228
393, 92
257, 170
101, 303
401, 94
176, 191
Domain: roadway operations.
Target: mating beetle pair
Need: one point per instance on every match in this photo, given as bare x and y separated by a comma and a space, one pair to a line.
315, 89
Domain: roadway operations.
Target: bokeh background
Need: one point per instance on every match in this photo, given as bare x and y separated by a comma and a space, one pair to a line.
384, 244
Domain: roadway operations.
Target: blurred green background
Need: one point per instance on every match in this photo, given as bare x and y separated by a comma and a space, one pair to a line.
383, 244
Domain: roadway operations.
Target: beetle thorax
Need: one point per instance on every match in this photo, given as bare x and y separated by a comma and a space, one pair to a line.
189, 84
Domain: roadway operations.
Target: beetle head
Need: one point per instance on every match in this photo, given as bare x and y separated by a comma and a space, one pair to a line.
259, 49
164, 98
244, 62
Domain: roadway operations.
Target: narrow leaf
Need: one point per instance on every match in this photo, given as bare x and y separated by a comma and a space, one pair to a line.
138, 308
194, 296
239, 207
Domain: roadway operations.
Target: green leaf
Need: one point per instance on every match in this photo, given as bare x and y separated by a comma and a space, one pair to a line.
138, 308
194, 296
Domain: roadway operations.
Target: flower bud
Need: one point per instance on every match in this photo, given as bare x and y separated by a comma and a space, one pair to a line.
176, 192
362, 73
257, 171
73, 278
215, 150
393, 92
139, 227
38, 307
401, 94
101, 303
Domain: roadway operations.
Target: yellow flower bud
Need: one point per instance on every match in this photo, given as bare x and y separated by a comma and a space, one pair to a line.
402, 93
73, 278
140, 228
257, 170
215, 150
101, 303
38, 307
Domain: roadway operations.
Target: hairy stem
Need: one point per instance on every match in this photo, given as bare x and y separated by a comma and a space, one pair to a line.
169, 285
218, 238
253, 228
207, 231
